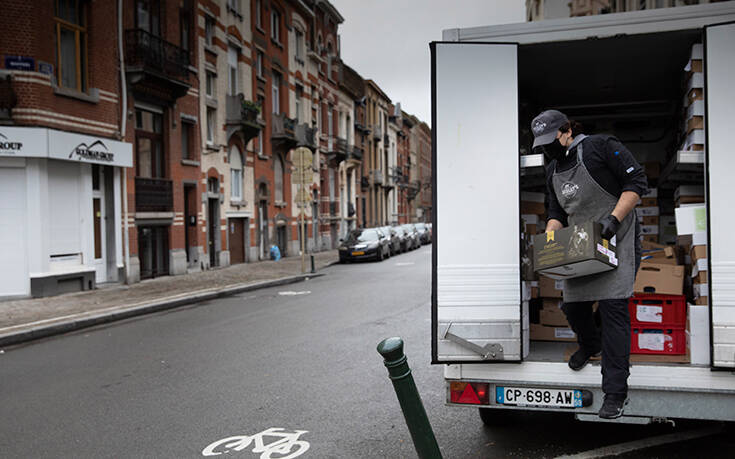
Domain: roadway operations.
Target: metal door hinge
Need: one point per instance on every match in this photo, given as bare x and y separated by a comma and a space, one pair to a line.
490, 351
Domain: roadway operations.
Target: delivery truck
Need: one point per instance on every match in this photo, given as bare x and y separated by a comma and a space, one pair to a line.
661, 81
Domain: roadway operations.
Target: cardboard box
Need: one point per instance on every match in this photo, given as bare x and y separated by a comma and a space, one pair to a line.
696, 108
649, 229
695, 81
684, 200
690, 219
574, 251
550, 288
666, 256
696, 137
698, 252
688, 190
659, 278
649, 221
552, 315
652, 192
649, 202
647, 211
532, 203
695, 122
700, 290
649, 237
667, 229
699, 271
543, 333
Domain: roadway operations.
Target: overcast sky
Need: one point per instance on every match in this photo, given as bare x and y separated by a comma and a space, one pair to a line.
388, 40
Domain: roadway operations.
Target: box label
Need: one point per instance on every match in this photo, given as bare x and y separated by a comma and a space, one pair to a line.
700, 219
649, 313
564, 333
651, 341
608, 253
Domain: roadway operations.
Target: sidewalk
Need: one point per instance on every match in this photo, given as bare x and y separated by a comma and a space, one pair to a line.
27, 319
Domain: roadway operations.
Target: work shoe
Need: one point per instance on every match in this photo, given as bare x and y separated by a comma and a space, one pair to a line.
580, 358
613, 406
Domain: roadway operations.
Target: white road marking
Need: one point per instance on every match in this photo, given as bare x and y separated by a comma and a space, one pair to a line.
621, 448
280, 447
405, 263
303, 292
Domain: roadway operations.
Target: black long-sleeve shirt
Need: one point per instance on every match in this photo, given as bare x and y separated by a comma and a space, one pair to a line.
609, 163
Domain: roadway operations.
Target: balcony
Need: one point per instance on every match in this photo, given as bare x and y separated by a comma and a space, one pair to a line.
305, 136
377, 132
354, 154
244, 115
364, 182
157, 64
362, 128
153, 195
386, 140
338, 149
283, 132
377, 176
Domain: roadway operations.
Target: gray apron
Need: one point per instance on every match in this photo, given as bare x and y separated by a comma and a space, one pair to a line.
583, 199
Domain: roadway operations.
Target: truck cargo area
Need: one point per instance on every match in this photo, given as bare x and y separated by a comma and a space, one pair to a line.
633, 87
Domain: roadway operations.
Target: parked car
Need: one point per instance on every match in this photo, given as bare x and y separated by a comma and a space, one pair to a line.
363, 244
405, 239
424, 233
394, 238
413, 235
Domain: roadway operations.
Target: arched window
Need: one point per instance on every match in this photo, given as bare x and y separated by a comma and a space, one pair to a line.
235, 174
278, 174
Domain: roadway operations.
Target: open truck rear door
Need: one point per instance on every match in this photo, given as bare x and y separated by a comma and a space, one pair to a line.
720, 145
476, 284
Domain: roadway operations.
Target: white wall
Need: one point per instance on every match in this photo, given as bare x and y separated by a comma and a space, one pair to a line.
14, 279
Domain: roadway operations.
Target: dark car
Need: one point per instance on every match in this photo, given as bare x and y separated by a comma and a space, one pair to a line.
364, 244
424, 233
413, 236
394, 238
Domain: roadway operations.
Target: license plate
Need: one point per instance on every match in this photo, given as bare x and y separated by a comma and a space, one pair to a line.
358, 253
536, 396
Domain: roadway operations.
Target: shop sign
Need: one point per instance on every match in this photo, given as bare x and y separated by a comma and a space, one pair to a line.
88, 149
22, 142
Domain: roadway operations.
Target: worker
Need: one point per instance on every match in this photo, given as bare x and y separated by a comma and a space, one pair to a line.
595, 178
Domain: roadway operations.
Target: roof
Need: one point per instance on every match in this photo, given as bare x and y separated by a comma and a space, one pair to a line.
377, 89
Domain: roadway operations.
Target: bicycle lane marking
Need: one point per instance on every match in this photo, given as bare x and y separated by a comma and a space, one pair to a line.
283, 447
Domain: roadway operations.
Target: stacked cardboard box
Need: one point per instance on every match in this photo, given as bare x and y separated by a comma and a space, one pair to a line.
689, 194
694, 101
533, 212
698, 255
660, 271
553, 324
648, 216
697, 334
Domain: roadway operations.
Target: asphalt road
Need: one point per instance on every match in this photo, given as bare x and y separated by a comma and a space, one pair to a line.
295, 358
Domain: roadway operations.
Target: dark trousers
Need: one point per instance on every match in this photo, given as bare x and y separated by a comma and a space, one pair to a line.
614, 339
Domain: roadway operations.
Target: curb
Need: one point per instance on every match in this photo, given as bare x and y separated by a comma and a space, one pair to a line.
45, 331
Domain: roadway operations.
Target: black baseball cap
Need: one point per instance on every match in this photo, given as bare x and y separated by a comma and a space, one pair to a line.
545, 125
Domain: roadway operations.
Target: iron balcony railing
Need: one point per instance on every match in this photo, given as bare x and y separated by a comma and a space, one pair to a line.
151, 52
240, 110
377, 132
377, 176
153, 195
364, 182
305, 136
355, 153
282, 126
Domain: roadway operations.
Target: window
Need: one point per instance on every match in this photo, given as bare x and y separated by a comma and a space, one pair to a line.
185, 28
275, 92
299, 45
211, 84
232, 76
259, 14
299, 96
276, 26
211, 115
149, 144
278, 174
71, 44
261, 102
235, 174
186, 130
147, 15
259, 64
209, 31
329, 61
233, 5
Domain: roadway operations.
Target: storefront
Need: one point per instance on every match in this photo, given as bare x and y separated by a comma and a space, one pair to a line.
60, 201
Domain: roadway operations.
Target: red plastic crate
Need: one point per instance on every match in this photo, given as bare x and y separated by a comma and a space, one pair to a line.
663, 340
650, 309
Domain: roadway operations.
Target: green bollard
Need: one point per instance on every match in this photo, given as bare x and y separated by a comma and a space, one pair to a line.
408, 396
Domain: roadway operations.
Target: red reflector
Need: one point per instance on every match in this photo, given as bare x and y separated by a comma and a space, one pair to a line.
469, 393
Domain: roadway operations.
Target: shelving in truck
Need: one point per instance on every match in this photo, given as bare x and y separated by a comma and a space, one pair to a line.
621, 74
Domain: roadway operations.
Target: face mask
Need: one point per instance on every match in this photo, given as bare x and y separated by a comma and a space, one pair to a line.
555, 150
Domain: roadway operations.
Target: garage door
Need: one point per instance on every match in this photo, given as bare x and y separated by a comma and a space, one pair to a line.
13, 271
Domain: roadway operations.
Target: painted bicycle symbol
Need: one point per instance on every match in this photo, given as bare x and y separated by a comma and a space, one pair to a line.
279, 449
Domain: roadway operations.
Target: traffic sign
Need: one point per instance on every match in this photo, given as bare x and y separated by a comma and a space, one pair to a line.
302, 156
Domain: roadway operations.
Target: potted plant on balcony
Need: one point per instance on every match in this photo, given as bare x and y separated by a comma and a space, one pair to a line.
250, 110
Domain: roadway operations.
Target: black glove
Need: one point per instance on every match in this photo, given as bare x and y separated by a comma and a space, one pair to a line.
610, 226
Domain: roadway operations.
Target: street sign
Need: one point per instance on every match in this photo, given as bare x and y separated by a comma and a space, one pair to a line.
302, 156
303, 176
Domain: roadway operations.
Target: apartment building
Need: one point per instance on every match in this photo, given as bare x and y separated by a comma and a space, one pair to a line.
64, 151
377, 116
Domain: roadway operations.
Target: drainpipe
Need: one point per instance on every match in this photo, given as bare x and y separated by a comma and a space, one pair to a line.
123, 121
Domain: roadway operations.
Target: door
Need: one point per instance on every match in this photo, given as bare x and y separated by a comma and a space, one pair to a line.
13, 269
153, 251
719, 102
98, 223
476, 291
213, 230
237, 240
263, 230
